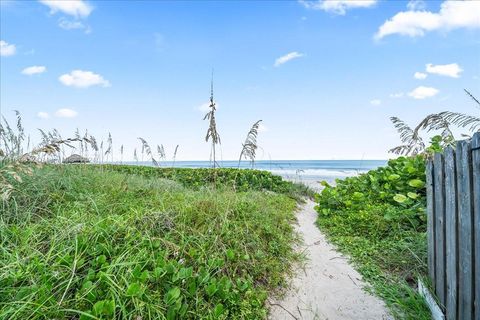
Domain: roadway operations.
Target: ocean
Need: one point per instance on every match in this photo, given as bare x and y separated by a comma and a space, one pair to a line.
306, 171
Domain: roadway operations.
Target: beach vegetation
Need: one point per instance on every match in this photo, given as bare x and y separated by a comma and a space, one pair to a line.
88, 242
413, 143
379, 220
212, 133
249, 147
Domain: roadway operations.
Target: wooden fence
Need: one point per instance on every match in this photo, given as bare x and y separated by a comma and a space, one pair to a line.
453, 209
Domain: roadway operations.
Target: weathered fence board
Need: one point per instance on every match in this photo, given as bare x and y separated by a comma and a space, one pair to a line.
430, 222
439, 189
451, 233
465, 231
476, 220
453, 228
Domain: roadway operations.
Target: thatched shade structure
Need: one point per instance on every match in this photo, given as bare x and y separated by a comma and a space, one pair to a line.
75, 158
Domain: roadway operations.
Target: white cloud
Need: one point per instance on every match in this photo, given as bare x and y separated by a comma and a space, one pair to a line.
7, 49
420, 75
66, 113
397, 95
449, 70
83, 79
34, 70
452, 15
337, 6
287, 57
375, 102
68, 25
76, 8
73, 24
43, 115
414, 5
423, 92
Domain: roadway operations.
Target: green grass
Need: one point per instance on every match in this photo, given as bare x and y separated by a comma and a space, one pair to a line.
379, 220
94, 243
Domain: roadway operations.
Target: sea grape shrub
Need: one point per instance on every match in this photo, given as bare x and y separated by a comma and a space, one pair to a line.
240, 179
380, 201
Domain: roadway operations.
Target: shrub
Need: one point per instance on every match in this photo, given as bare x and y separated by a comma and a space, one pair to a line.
379, 219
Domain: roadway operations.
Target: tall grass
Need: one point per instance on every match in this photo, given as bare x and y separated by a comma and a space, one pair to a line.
84, 242
212, 133
249, 147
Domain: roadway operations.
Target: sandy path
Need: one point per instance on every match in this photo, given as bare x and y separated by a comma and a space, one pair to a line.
327, 287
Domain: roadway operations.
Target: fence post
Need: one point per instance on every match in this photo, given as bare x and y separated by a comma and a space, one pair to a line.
439, 189
430, 222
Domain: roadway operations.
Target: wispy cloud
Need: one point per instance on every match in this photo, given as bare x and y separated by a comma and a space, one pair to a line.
452, 15
449, 70
420, 75
43, 115
34, 70
73, 24
397, 95
75, 8
414, 5
7, 49
337, 6
287, 57
83, 79
66, 113
423, 92
375, 102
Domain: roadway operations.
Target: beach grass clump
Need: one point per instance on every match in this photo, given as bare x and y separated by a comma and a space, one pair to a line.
379, 220
83, 242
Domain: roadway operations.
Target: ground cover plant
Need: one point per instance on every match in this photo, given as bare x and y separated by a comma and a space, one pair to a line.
87, 242
238, 179
379, 220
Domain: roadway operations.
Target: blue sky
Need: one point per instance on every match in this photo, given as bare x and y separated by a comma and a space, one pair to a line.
323, 76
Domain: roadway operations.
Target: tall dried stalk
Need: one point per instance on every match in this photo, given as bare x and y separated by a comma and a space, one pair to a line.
161, 152
11, 141
95, 149
109, 147
412, 143
146, 148
249, 147
212, 133
175, 155
14, 161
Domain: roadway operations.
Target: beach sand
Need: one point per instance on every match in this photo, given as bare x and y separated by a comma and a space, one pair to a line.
327, 286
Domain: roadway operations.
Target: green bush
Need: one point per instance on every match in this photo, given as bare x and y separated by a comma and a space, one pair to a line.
379, 219
239, 179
